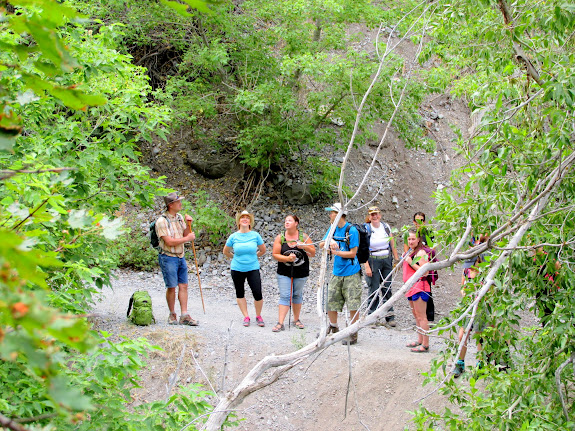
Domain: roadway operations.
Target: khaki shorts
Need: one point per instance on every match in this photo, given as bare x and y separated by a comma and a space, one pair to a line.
344, 290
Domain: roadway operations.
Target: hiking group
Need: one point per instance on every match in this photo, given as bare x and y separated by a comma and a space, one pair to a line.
370, 244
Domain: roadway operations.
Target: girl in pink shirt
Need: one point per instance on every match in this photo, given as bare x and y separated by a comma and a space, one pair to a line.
418, 295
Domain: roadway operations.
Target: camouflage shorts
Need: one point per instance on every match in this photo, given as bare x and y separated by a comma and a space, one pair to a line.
344, 290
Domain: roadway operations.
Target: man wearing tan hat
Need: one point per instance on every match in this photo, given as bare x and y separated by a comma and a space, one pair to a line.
173, 232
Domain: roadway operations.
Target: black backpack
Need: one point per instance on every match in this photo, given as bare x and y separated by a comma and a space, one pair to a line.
154, 239
363, 248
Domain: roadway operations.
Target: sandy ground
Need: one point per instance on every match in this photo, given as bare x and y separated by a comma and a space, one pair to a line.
386, 377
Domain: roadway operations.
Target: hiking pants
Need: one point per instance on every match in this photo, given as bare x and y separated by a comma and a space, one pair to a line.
381, 292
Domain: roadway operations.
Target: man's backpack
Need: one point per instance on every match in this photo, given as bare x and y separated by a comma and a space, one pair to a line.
363, 248
141, 307
154, 238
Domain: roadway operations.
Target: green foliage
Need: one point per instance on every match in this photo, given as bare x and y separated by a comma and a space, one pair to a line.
63, 182
522, 124
209, 218
265, 80
133, 250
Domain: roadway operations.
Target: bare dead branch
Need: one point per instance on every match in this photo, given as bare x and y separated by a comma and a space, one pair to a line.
5, 174
558, 382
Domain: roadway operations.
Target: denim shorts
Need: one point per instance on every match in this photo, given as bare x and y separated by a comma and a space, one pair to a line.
174, 270
416, 296
285, 286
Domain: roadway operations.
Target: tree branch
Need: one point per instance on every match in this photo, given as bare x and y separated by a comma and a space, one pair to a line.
10, 424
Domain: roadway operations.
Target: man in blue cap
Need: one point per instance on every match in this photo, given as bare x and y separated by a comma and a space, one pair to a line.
345, 284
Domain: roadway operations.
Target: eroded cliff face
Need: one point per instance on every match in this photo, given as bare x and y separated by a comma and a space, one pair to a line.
401, 182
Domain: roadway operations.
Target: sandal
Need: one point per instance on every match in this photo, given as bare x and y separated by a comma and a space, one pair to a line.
298, 324
413, 344
279, 327
420, 349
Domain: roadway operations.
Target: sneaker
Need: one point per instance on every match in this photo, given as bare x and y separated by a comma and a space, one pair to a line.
246, 321
332, 329
352, 340
260, 321
187, 320
173, 319
459, 368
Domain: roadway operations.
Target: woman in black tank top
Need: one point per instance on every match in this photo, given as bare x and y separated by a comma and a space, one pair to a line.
292, 249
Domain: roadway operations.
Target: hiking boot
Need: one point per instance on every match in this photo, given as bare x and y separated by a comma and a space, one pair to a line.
352, 340
260, 321
187, 320
459, 368
331, 329
173, 319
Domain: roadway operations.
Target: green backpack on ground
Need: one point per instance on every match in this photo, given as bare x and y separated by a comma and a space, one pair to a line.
141, 306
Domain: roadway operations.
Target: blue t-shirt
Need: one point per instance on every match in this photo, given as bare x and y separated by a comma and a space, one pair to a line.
344, 266
245, 247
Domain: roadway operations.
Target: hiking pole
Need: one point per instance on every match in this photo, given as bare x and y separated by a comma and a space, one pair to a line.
290, 297
197, 269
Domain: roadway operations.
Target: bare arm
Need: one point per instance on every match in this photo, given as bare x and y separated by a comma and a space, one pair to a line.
277, 252
394, 248
420, 262
345, 254
261, 250
228, 252
172, 242
307, 246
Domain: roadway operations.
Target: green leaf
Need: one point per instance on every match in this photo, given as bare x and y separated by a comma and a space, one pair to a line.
76, 99
68, 396
199, 5
6, 142
112, 229
181, 9
79, 219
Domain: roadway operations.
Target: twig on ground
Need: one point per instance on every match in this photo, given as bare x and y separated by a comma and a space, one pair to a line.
203, 374
173, 378
223, 384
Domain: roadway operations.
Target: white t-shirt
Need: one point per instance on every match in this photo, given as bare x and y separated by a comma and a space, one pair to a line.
379, 241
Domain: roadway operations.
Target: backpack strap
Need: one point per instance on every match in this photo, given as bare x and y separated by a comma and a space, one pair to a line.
130, 305
300, 239
387, 230
368, 229
347, 229
180, 218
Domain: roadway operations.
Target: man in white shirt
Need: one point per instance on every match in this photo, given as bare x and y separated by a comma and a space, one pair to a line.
382, 251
